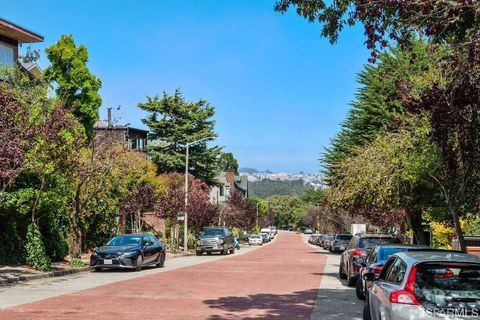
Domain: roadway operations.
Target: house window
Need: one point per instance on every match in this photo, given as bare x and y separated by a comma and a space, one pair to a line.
140, 144
227, 191
6, 55
222, 191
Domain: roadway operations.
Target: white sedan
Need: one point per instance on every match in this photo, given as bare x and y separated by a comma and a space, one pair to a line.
255, 239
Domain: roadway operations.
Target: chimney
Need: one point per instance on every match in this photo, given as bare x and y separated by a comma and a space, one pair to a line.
230, 176
109, 117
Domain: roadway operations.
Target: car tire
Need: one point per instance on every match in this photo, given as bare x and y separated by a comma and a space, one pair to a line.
209, 253
232, 251
225, 251
139, 263
341, 273
359, 289
366, 312
96, 269
161, 260
199, 253
351, 281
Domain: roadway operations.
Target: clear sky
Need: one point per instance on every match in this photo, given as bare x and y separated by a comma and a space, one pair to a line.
279, 89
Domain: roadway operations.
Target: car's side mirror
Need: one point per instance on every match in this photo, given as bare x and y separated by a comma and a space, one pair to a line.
369, 276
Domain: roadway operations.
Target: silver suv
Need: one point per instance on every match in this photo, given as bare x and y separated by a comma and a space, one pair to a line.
215, 239
425, 285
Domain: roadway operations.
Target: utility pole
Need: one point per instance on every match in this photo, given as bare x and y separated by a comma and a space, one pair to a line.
185, 217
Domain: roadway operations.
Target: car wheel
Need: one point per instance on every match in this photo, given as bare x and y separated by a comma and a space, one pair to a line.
139, 263
351, 281
199, 253
208, 253
161, 260
366, 312
232, 251
341, 273
359, 289
96, 269
225, 251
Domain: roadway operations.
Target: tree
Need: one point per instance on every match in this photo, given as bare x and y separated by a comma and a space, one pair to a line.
174, 122
391, 176
76, 86
240, 212
454, 22
134, 204
201, 212
226, 162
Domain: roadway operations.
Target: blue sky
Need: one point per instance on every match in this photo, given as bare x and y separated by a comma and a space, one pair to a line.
279, 89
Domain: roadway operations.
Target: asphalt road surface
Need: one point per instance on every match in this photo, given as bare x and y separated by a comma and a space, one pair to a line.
287, 279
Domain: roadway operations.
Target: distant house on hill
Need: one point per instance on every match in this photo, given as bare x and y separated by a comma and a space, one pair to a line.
228, 183
135, 139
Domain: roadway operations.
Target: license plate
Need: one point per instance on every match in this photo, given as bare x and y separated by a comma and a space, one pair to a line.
342, 248
108, 261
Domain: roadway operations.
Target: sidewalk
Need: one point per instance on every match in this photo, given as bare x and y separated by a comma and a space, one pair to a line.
11, 274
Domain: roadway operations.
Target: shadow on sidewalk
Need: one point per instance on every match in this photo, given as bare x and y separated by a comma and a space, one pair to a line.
297, 305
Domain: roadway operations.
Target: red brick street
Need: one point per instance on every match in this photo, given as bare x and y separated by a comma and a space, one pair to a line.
277, 281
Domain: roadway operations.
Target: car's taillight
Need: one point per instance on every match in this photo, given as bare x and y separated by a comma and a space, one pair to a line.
377, 270
359, 253
406, 296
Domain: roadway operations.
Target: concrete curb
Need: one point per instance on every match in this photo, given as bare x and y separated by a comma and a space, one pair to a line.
56, 273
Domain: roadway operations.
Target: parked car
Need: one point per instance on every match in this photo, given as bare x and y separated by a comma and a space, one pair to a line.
274, 229
243, 239
340, 242
129, 251
353, 257
269, 232
265, 237
375, 260
308, 231
314, 239
215, 239
255, 239
425, 285
326, 241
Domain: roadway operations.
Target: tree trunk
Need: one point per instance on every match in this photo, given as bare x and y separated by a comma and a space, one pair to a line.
76, 246
414, 221
458, 228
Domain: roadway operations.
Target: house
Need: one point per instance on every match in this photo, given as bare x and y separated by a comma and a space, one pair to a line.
11, 37
228, 182
135, 139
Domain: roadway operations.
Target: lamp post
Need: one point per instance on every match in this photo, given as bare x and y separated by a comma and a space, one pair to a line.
185, 224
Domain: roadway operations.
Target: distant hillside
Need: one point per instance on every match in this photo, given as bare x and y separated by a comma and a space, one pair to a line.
248, 170
267, 188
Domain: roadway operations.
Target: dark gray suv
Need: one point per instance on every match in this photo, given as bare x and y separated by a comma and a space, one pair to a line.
215, 239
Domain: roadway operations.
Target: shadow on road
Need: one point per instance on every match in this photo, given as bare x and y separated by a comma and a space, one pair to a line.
297, 305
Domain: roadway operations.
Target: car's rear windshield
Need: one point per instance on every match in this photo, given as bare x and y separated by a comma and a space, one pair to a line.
255, 237
368, 243
448, 286
386, 253
124, 241
344, 237
327, 238
213, 232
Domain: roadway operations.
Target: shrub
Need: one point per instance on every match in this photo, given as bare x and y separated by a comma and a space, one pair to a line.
75, 262
36, 254
442, 235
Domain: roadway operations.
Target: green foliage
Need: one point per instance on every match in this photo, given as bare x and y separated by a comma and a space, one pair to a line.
77, 87
36, 255
76, 263
289, 210
377, 105
313, 196
471, 225
442, 235
174, 122
226, 162
267, 188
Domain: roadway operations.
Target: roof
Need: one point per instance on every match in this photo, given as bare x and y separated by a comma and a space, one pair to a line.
100, 125
437, 256
18, 33
241, 183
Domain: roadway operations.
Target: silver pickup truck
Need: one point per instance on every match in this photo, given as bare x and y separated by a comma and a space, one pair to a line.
215, 239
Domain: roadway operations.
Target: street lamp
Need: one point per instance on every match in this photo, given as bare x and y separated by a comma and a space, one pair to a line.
185, 224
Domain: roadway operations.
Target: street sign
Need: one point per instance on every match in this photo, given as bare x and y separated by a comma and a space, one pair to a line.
180, 216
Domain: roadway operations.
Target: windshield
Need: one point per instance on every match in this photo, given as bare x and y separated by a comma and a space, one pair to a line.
369, 243
344, 237
125, 241
386, 253
213, 232
448, 286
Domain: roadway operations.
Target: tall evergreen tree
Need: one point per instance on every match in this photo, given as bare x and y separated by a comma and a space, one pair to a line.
76, 86
173, 123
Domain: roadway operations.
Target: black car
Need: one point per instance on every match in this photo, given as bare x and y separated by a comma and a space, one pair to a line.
215, 239
129, 251
356, 251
